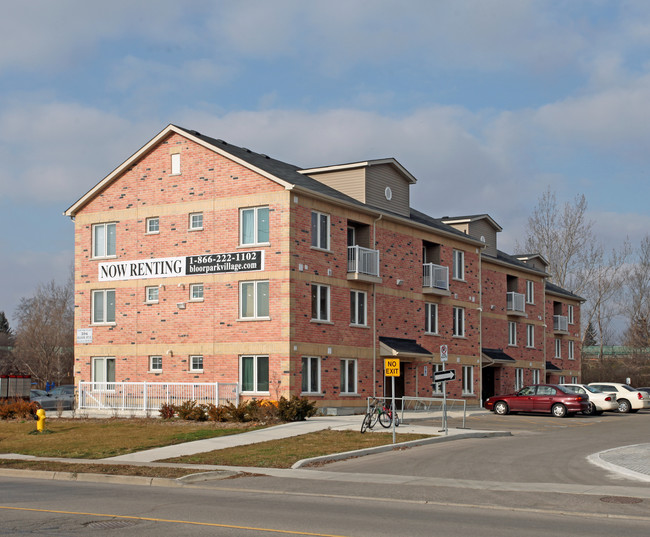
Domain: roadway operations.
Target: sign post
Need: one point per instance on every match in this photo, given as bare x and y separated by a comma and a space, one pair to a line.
392, 369
444, 376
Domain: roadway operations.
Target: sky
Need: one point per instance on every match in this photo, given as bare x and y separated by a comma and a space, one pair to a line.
488, 103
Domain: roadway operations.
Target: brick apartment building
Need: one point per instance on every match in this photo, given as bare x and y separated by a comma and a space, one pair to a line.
200, 261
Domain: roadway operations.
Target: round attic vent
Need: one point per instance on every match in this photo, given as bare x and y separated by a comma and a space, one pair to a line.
482, 238
388, 193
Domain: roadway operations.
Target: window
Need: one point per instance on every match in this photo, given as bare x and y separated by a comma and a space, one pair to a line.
570, 350
574, 380
431, 318
459, 322
320, 230
349, 376
570, 314
254, 374
458, 265
530, 335
196, 221
254, 300
103, 306
320, 302
196, 292
437, 386
535, 376
530, 292
358, 308
254, 226
104, 240
196, 363
512, 333
558, 348
468, 380
561, 379
310, 374
519, 379
153, 225
151, 295
155, 364
103, 369
176, 163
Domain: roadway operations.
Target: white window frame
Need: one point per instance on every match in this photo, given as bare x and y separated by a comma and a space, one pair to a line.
346, 381
175, 164
256, 373
103, 229
155, 360
519, 378
196, 292
535, 376
196, 360
258, 287
530, 292
358, 312
530, 336
429, 326
152, 226
152, 294
193, 221
437, 386
458, 265
317, 240
574, 380
458, 322
311, 369
570, 314
105, 293
558, 348
316, 305
256, 224
105, 370
562, 379
571, 350
468, 380
512, 333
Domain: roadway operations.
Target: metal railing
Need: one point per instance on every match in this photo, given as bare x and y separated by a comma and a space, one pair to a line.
435, 276
515, 302
363, 260
424, 407
561, 323
152, 395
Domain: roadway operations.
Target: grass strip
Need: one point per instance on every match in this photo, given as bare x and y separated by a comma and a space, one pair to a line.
285, 452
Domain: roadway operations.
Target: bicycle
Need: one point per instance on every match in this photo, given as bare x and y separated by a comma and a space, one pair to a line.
386, 416
372, 416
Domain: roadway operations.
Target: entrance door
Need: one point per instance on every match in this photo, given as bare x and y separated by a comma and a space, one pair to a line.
488, 382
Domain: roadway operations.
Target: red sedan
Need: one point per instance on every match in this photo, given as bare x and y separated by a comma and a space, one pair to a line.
547, 398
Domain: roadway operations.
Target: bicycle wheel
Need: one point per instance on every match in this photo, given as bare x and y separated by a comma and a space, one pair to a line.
373, 418
385, 418
366, 422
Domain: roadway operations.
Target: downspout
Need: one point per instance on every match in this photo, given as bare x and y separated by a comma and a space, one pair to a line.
480, 327
374, 316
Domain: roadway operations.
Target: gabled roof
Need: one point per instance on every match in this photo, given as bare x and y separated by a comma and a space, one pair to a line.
471, 218
503, 258
364, 164
557, 290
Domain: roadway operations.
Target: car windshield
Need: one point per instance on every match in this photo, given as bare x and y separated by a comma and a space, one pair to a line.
629, 388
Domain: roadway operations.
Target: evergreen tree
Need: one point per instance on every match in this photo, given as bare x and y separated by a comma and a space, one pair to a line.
590, 336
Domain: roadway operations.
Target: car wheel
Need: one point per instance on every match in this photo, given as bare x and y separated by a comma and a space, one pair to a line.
558, 410
591, 410
624, 406
501, 408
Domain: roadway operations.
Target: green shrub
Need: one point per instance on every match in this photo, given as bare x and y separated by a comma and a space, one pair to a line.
296, 408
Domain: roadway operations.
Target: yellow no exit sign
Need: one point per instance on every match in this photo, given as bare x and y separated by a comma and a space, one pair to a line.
391, 367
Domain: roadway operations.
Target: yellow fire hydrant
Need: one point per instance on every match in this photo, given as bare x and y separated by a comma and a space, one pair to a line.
40, 416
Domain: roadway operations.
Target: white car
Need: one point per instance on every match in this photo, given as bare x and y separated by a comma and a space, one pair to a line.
629, 399
599, 401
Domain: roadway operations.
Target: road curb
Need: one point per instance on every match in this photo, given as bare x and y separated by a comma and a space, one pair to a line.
390, 447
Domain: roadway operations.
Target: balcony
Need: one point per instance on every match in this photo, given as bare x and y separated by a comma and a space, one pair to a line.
561, 323
435, 279
515, 304
363, 264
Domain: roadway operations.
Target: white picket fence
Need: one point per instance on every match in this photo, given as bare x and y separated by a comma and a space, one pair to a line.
152, 395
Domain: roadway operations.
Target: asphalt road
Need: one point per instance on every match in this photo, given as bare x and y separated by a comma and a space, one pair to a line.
505, 486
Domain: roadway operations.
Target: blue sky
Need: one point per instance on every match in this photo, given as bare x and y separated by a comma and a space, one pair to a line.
486, 102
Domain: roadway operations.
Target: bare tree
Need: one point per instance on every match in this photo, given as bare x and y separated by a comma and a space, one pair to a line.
564, 236
45, 333
637, 299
